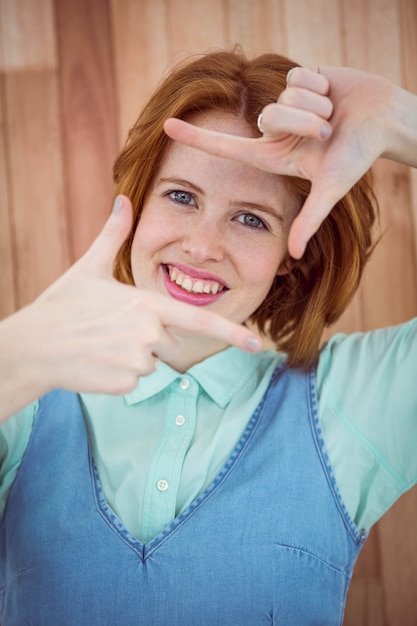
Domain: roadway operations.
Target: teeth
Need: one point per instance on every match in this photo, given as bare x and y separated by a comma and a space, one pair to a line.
186, 284
197, 286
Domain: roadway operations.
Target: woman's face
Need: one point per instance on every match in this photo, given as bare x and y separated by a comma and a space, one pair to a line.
213, 232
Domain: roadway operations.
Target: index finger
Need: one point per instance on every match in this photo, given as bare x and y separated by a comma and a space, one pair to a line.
215, 143
205, 323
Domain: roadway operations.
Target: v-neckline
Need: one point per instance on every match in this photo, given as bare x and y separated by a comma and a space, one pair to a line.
144, 550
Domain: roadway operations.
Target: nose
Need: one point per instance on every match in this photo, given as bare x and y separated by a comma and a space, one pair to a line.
204, 242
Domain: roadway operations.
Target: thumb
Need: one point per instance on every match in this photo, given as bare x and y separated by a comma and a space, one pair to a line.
316, 208
102, 252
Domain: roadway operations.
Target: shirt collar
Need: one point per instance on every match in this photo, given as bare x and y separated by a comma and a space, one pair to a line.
221, 376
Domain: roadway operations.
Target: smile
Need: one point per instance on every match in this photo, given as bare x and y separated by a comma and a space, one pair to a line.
193, 285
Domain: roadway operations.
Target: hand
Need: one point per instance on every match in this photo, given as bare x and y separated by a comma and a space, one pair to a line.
90, 333
328, 127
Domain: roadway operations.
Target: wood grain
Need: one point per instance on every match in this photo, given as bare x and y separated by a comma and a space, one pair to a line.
36, 181
314, 32
7, 261
141, 51
398, 561
408, 26
88, 116
73, 76
28, 35
257, 26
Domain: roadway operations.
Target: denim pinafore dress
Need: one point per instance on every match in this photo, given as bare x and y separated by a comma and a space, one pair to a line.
268, 542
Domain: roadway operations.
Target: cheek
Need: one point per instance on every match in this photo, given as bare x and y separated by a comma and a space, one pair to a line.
148, 235
262, 265
138, 243
258, 280
143, 247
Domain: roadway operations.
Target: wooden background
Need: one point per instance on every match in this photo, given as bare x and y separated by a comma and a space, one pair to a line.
74, 74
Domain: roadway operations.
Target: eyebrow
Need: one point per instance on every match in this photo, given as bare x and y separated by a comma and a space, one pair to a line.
253, 206
181, 181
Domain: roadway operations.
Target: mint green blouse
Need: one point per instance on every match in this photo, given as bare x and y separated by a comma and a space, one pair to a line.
172, 434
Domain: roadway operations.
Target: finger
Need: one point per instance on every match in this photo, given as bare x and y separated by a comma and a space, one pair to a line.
282, 121
101, 254
215, 143
300, 98
205, 323
308, 79
155, 363
314, 211
148, 365
166, 347
279, 120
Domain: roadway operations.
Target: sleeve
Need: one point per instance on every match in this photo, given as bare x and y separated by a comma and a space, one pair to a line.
367, 390
14, 437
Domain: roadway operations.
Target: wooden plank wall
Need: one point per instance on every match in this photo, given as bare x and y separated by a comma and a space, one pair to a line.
73, 74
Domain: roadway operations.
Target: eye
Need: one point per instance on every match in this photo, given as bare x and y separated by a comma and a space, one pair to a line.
182, 197
248, 219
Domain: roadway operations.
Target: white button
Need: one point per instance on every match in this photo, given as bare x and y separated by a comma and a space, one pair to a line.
162, 485
180, 420
184, 383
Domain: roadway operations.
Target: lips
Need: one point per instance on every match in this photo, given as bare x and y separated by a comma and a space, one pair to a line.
193, 286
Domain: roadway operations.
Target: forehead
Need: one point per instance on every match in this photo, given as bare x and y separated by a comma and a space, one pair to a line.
231, 176
222, 121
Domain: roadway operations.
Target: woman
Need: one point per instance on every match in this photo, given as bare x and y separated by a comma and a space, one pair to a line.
190, 482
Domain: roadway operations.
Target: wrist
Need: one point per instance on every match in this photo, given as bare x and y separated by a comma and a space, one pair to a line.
22, 376
402, 128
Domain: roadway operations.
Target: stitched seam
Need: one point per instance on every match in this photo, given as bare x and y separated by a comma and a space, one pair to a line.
372, 448
357, 535
315, 556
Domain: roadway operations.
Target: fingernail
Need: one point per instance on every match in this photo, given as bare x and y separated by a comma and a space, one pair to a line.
253, 344
289, 74
117, 205
325, 131
259, 123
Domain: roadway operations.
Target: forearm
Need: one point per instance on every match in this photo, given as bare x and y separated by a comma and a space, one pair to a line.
22, 377
402, 125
